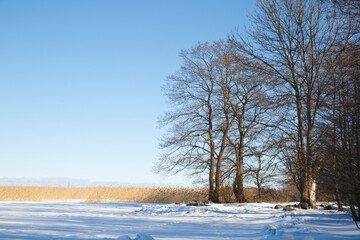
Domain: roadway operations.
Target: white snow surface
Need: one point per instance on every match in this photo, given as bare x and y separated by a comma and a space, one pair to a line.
127, 221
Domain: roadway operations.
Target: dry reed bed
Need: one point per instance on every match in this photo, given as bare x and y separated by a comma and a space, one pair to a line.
103, 194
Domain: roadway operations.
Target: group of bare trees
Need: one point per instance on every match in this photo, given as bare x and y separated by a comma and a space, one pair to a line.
217, 108
285, 92
340, 147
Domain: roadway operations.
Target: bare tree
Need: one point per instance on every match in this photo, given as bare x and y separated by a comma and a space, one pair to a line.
350, 9
201, 119
262, 165
248, 106
226, 72
341, 148
293, 39
241, 100
190, 140
347, 116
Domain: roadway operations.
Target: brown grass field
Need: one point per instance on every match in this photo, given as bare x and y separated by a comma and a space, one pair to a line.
103, 194
133, 194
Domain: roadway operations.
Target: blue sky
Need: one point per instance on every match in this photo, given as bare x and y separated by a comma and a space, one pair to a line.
80, 82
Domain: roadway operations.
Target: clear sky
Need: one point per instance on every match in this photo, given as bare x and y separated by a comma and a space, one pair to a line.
80, 82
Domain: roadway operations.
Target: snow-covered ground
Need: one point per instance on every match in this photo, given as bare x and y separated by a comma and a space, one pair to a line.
124, 221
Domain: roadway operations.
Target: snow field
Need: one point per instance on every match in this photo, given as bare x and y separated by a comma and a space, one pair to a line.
126, 221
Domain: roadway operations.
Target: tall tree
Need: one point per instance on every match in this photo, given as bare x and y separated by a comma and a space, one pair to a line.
294, 40
190, 139
226, 72
341, 148
201, 118
248, 106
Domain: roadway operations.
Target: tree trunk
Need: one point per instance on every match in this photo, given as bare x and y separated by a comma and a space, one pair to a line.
216, 196
338, 199
258, 183
312, 192
219, 161
238, 184
238, 187
355, 214
304, 191
308, 191
212, 155
259, 195
211, 180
